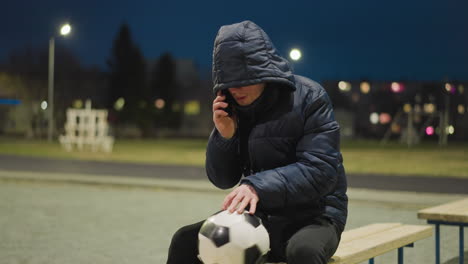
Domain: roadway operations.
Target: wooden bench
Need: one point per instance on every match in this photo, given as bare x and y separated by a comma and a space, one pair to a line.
367, 242
453, 213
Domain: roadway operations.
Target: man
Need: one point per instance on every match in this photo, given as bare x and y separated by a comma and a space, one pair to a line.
278, 131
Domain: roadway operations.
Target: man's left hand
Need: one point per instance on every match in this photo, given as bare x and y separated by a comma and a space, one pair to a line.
239, 198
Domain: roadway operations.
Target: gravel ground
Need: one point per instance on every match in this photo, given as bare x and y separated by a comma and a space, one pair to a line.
53, 219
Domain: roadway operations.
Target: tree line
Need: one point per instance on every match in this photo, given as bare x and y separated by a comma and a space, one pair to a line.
128, 90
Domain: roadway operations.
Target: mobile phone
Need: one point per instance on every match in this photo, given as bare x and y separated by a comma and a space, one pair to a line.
228, 100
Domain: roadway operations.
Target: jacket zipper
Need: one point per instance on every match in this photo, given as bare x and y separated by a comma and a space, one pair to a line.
250, 154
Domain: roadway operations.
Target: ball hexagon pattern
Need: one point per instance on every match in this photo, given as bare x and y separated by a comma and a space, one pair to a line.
226, 238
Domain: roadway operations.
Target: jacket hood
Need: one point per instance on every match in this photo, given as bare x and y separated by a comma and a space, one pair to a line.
243, 55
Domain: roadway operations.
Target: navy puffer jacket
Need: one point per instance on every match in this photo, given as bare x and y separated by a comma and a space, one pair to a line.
295, 164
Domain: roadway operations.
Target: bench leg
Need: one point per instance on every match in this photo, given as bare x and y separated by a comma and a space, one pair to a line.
437, 243
462, 253
400, 255
371, 261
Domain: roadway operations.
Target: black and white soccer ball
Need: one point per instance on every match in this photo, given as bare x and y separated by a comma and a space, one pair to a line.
226, 238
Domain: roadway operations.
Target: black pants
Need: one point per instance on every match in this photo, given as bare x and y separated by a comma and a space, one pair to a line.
313, 242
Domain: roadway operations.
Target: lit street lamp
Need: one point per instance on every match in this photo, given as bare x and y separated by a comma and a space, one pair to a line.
64, 30
295, 54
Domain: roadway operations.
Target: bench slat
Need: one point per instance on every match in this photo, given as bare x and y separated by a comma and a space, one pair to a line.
456, 211
365, 247
366, 230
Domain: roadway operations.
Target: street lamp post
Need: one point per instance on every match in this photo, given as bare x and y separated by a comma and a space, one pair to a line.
51, 89
64, 30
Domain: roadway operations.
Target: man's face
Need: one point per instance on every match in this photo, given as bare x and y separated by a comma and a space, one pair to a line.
246, 95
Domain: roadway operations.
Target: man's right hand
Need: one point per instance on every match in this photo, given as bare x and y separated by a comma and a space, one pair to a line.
225, 124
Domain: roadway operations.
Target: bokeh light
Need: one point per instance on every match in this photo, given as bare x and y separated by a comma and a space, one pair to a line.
119, 104
397, 87
385, 118
374, 118
159, 103
78, 103
192, 107
461, 109
65, 29
450, 130
450, 88
344, 86
43, 105
365, 87
430, 130
429, 108
407, 108
295, 54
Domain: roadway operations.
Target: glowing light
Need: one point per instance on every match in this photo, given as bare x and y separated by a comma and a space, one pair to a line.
192, 108
65, 30
450, 130
429, 108
295, 54
365, 87
407, 108
159, 103
385, 118
78, 103
447, 87
430, 131
461, 109
397, 87
450, 88
119, 104
344, 86
43, 105
374, 118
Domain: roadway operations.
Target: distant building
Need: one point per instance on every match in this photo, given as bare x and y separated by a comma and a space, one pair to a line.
390, 109
19, 113
29, 118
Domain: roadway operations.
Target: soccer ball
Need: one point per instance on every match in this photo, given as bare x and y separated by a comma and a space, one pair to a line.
226, 238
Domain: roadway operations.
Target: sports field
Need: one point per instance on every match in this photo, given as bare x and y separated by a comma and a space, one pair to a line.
52, 221
426, 159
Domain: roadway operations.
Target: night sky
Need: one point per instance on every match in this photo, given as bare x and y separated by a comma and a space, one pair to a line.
368, 39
